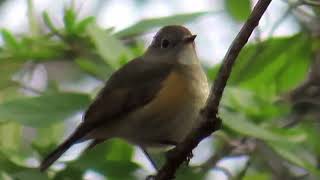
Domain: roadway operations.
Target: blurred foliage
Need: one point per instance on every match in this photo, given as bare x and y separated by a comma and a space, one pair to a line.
147, 24
238, 12
31, 124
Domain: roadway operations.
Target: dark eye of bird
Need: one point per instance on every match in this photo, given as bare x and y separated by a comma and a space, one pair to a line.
165, 43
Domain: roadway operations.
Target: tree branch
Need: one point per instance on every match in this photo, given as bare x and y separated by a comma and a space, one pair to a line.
210, 122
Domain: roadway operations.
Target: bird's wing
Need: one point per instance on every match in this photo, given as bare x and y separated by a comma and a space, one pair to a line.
128, 89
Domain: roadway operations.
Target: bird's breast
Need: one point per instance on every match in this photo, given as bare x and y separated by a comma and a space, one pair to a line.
172, 113
174, 93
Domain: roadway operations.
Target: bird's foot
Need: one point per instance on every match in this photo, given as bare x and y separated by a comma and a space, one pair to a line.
171, 154
189, 157
150, 177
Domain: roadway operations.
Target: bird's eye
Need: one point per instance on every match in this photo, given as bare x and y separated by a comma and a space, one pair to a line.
165, 43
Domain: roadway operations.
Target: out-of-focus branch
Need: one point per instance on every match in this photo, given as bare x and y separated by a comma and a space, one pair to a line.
273, 161
231, 148
225, 172
311, 2
214, 159
243, 172
208, 116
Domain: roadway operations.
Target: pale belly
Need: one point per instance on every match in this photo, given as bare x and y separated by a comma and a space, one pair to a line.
163, 129
168, 119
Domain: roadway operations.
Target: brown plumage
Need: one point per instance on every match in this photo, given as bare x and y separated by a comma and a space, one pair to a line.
151, 101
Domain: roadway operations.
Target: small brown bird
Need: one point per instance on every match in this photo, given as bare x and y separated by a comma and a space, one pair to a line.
151, 101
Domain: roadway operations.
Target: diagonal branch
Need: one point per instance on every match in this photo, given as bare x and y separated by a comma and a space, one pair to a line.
208, 116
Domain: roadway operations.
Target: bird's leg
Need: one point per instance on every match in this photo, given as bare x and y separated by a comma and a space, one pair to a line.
150, 177
171, 154
149, 158
189, 157
93, 144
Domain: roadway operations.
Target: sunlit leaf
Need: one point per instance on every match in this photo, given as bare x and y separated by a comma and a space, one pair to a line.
49, 135
43, 111
94, 67
250, 103
239, 123
17, 171
99, 160
30, 174
187, 173
10, 134
239, 9
82, 25
108, 47
257, 176
273, 66
69, 19
120, 151
7, 69
10, 40
290, 153
47, 20
69, 173
148, 24
7, 165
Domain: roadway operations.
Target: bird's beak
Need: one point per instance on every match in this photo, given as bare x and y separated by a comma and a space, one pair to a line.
189, 39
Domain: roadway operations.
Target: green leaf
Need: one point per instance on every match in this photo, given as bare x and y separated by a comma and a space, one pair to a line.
82, 25
30, 174
9, 39
99, 159
47, 20
49, 135
257, 176
94, 67
189, 173
147, 24
10, 92
290, 153
7, 165
17, 171
69, 173
43, 111
254, 106
34, 27
109, 48
41, 49
10, 134
213, 71
42, 148
254, 58
238, 9
7, 69
69, 20
280, 63
238, 123
312, 139
3, 175
120, 151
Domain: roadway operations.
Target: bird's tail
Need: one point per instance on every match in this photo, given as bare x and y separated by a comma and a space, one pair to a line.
54, 155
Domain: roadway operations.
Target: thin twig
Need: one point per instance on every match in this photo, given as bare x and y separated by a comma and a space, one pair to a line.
208, 116
243, 172
213, 160
50, 26
225, 172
